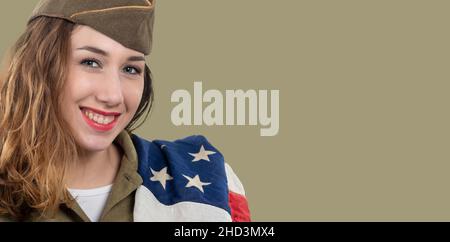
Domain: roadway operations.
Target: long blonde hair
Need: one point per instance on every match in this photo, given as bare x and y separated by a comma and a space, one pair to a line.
36, 147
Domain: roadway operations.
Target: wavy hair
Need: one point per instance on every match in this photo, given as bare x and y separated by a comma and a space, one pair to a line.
36, 146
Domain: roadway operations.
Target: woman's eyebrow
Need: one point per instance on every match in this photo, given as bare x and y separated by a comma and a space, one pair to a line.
94, 49
104, 53
136, 58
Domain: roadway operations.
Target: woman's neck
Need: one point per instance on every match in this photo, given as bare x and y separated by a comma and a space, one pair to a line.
95, 169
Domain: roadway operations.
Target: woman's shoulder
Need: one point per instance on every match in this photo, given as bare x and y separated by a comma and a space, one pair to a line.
190, 170
195, 148
190, 156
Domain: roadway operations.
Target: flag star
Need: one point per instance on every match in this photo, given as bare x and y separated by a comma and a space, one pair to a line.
161, 176
195, 182
163, 146
202, 154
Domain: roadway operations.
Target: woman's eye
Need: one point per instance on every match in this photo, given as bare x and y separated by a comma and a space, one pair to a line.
90, 63
132, 70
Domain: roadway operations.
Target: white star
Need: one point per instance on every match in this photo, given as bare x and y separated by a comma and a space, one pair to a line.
202, 154
195, 182
163, 146
161, 176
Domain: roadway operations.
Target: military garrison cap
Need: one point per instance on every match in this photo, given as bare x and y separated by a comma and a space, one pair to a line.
129, 22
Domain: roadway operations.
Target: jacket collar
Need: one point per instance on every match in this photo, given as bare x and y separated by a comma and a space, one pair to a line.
127, 179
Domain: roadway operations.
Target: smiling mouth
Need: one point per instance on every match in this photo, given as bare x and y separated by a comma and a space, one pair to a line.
99, 120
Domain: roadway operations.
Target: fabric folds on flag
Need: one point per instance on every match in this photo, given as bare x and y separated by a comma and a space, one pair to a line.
187, 180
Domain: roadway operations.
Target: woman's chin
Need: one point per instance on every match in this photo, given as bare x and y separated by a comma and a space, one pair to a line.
94, 144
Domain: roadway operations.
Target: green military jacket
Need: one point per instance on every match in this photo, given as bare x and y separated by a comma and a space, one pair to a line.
120, 203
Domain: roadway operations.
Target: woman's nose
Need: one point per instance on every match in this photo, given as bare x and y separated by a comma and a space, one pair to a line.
110, 90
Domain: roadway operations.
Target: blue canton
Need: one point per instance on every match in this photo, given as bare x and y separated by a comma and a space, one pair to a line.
179, 171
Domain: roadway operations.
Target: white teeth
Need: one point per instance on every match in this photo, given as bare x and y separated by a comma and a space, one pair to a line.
108, 120
98, 118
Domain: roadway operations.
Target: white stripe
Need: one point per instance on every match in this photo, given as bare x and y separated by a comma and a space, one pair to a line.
148, 209
234, 184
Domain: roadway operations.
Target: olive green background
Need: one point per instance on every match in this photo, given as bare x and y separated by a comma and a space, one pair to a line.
364, 120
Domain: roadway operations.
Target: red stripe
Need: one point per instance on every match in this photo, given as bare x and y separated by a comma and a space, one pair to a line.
239, 207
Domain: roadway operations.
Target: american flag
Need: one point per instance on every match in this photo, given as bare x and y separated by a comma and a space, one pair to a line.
186, 180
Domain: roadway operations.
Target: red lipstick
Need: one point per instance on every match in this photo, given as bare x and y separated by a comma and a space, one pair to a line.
98, 126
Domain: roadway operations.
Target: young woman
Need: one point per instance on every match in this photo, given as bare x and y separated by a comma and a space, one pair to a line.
76, 86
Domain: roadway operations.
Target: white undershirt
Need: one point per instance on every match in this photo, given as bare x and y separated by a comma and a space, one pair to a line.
92, 201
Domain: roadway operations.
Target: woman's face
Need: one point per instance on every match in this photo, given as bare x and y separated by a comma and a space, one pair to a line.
103, 89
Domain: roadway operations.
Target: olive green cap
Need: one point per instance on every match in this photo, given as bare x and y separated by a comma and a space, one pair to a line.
129, 22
